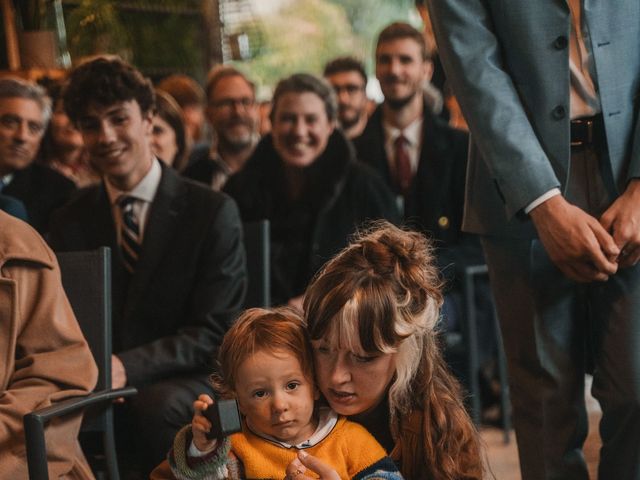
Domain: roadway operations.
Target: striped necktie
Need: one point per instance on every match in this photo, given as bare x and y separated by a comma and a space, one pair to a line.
129, 233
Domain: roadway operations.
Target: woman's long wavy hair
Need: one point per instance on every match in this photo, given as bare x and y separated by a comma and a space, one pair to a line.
384, 292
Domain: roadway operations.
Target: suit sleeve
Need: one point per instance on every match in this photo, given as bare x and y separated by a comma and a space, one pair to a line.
214, 302
471, 55
52, 360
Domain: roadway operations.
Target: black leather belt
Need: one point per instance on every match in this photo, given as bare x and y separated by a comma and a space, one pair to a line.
586, 131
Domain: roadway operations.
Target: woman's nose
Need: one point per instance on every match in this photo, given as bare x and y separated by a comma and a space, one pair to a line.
339, 372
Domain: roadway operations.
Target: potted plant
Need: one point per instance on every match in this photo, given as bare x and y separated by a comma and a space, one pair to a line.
42, 37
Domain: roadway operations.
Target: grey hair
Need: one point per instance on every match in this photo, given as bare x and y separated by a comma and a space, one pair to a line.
12, 87
302, 83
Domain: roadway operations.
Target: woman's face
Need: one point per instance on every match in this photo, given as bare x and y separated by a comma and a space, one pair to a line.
352, 381
300, 128
163, 140
65, 135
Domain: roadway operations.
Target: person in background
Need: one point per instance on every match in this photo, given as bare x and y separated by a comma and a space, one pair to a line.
25, 111
304, 178
191, 98
233, 115
372, 314
168, 137
422, 159
348, 78
178, 262
45, 358
62, 148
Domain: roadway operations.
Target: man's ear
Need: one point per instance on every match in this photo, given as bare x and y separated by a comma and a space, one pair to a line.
148, 118
428, 69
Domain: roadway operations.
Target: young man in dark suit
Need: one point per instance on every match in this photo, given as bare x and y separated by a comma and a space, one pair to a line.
179, 275
422, 159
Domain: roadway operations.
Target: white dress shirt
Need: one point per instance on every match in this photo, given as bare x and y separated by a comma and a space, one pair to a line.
144, 193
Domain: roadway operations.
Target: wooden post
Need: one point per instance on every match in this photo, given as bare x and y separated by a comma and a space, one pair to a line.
13, 52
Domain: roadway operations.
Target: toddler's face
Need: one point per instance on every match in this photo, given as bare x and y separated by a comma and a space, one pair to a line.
276, 397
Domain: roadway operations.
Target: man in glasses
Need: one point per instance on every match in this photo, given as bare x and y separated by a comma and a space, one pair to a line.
233, 114
349, 80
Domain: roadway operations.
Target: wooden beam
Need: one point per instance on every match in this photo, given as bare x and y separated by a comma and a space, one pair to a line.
13, 52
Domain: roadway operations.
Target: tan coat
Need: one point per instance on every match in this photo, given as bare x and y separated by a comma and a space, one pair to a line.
44, 357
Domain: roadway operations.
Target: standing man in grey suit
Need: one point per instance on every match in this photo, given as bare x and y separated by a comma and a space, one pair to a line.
550, 90
178, 263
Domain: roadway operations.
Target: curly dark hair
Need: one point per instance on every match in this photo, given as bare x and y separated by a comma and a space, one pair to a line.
105, 81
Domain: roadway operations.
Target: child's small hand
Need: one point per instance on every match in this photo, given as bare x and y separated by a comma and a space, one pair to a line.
200, 426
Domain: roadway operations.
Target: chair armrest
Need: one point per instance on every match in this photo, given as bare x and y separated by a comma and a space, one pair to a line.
35, 421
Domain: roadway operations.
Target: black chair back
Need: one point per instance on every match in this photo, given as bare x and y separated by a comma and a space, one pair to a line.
257, 247
86, 278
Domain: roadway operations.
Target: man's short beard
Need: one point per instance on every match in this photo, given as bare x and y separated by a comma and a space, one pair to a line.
235, 145
399, 103
350, 122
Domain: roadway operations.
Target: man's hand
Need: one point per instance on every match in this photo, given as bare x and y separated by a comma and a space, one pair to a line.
575, 241
622, 220
118, 374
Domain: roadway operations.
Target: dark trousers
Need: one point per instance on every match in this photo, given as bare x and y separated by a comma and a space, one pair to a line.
550, 326
146, 425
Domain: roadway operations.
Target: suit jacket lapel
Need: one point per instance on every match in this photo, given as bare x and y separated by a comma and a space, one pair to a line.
161, 225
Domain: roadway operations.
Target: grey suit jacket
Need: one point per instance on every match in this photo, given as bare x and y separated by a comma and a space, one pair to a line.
508, 61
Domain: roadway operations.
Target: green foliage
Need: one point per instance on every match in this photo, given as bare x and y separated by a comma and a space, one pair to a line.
305, 34
302, 36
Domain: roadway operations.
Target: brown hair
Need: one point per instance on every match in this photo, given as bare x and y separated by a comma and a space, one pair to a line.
184, 89
384, 290
400, 30
219, 72
168, 110
258, 329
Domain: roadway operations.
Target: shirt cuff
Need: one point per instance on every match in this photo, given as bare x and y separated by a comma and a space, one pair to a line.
541, 199
195, 452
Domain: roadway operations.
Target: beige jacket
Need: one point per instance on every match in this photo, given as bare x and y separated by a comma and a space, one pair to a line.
44, 357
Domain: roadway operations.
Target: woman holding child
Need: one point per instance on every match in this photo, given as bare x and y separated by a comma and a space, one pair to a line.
371, 315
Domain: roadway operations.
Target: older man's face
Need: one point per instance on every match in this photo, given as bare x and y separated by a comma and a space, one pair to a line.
21, 129
233, 113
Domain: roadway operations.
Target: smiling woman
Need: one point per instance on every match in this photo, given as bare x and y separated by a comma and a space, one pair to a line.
305, 179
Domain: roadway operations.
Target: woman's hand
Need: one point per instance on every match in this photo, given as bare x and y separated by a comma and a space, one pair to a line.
200, 426
297, 468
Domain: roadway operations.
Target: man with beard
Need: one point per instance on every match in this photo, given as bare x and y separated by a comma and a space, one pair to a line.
233, 114
25, 111
422, 159
349, 80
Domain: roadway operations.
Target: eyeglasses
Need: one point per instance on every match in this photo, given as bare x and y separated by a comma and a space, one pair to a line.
350, 88
229, 103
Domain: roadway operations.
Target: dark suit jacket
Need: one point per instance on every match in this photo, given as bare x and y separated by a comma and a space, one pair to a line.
339, 196
189, 283
42, 190
435, 200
